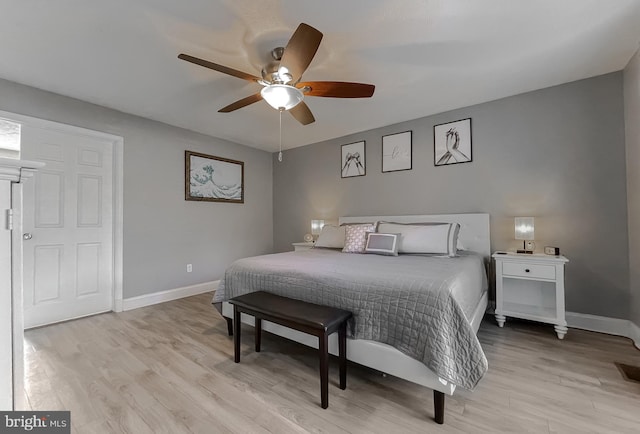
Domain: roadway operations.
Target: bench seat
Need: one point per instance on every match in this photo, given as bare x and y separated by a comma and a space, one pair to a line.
314, 319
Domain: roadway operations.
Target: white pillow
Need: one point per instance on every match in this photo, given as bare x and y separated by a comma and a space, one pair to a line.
331, 237
438, 238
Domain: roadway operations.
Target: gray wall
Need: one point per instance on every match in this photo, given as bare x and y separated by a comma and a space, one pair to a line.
632, 137
162, 231
557, 154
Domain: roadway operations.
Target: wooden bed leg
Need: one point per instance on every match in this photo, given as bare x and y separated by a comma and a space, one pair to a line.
438, 406
229, 326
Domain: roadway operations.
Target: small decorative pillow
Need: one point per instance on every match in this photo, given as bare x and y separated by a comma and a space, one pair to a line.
356, 237
382, 244
331, 237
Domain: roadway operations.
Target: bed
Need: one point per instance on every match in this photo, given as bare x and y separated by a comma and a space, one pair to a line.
443, 355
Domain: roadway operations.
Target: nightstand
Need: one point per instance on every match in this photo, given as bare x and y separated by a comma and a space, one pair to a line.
531, 286
301, 246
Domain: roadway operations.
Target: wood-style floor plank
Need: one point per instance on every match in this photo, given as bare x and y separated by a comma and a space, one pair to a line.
169, 368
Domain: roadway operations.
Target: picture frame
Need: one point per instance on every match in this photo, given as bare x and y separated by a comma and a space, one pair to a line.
353, 160
208, 178
397, 152
452, 143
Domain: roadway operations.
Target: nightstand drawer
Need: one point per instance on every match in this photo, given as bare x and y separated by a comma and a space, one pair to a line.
535, 271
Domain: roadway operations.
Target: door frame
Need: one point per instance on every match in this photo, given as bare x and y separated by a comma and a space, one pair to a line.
117, 164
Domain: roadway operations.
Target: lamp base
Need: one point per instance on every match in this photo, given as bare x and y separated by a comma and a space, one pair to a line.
527, 247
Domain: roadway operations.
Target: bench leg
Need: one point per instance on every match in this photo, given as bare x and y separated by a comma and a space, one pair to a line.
324, 369
236, 334
438, 406
229, 326
258, 327
342, 355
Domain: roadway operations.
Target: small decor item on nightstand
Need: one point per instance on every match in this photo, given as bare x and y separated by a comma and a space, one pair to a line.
549, 250
308, 238
525, 232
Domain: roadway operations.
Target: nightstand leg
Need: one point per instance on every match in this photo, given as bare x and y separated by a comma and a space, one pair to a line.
561, 331
500, 319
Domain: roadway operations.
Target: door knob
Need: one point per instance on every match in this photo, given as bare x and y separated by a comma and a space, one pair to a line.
27, 236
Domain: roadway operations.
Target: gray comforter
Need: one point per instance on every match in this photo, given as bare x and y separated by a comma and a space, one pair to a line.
408, 302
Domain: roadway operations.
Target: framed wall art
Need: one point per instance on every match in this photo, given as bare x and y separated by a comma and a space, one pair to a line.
396, 152
452, 142
213, 179
353, 160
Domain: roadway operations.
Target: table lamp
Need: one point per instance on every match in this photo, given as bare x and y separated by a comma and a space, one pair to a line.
525, 231
316, 228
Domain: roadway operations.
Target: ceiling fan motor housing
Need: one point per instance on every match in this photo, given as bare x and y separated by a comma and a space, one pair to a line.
272, 72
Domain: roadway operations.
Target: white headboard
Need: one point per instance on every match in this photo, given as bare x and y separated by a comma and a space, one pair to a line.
474, 228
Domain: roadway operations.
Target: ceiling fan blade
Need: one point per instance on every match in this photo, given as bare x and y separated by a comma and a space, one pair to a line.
337, 89
302, 113
300, 50
219, 68
241, 103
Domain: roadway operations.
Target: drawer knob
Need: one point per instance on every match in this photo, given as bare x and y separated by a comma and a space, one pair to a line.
526, 270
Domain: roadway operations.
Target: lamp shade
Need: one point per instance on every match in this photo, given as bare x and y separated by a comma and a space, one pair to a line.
281, 96
316, 226
524, 228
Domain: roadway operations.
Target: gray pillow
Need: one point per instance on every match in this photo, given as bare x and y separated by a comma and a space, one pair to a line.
331, 237
382, 244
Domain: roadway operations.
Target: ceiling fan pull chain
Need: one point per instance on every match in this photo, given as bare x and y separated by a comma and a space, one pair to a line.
280, 153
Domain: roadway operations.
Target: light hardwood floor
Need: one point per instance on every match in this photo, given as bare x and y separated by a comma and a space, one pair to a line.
168, 368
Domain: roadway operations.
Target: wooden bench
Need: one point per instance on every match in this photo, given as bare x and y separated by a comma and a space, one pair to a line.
305, 317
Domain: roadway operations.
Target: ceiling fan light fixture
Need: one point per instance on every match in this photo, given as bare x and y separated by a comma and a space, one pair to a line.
282, 96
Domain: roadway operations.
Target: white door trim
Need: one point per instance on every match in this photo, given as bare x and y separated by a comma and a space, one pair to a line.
118, 188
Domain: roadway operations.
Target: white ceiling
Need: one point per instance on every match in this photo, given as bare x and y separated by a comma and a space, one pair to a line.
424, 56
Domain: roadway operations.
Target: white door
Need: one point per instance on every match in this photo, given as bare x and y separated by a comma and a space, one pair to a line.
6, 325
67, 225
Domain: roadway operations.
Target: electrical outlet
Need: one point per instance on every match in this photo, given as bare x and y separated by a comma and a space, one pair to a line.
189, 268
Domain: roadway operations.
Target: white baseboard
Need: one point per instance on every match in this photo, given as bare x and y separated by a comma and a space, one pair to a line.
168, 295
634, 333
595, 323
603, 324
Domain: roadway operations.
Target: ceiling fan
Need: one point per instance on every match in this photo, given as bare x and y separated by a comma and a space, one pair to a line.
282, 88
